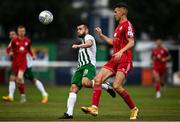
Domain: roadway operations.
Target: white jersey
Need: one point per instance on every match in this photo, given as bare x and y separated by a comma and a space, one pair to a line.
29, 61
87, 55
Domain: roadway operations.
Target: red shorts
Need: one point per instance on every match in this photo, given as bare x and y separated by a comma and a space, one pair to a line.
115, 66
160, 70
18, 66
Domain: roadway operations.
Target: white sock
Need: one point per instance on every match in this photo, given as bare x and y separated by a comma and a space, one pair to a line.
12, 88
71, 102
104, 86
23, 96
40, 87
158, 94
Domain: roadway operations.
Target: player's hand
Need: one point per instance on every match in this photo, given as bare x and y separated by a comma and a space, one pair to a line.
117, 55
158, 56
10, 54
154, 58
163, 60
75, 46
98, 31
33, 57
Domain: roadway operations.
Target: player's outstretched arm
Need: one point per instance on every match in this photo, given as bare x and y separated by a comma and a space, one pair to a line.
87, 44
104, 37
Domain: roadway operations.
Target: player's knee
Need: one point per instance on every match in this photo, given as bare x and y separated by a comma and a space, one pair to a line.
116, 86
19, 79
157, 79
86, 83
74, 88
33, 81
97, 80
12, 78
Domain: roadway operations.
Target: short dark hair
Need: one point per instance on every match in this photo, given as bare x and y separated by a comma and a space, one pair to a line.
12, 30
83, 23
121, 4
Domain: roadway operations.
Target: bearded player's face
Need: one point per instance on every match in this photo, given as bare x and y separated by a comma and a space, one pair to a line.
21, 32
81, 31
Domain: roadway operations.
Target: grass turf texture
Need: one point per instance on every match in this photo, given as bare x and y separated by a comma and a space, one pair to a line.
165, 109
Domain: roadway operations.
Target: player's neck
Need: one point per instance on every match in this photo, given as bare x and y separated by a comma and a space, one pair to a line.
21, 37
159, 46
123, 19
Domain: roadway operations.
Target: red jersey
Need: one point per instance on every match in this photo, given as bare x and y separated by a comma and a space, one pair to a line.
122, 32
158, 54
20, 48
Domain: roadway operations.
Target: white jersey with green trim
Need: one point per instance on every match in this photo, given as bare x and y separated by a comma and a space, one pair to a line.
29, 61
87, 55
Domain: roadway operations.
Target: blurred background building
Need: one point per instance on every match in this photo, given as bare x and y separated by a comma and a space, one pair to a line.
56, 60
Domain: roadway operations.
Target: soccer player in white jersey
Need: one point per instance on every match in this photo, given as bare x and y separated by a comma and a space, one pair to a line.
86, 69
28, 75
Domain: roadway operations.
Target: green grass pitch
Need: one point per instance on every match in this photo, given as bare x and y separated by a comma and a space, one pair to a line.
164, 109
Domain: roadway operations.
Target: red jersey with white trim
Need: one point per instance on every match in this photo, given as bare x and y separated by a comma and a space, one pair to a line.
20, 47
122, 32
158, 54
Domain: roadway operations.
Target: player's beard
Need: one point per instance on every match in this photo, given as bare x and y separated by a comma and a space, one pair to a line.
82, 36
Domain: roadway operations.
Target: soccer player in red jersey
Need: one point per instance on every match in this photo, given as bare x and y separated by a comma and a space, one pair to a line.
21, 46
119, 64
159, 56
28, 75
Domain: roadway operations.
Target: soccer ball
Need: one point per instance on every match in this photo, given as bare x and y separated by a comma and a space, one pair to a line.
45, 17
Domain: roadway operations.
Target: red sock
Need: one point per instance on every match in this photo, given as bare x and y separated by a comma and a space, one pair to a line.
127, 99
21, 88
96, 94
158, 86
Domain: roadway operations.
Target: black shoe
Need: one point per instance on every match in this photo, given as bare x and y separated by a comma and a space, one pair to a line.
66, 116
110, 90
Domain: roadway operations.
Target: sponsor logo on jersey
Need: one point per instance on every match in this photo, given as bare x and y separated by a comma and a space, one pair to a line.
115, 34
120, 28
21, 48
130, 32
26, 43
